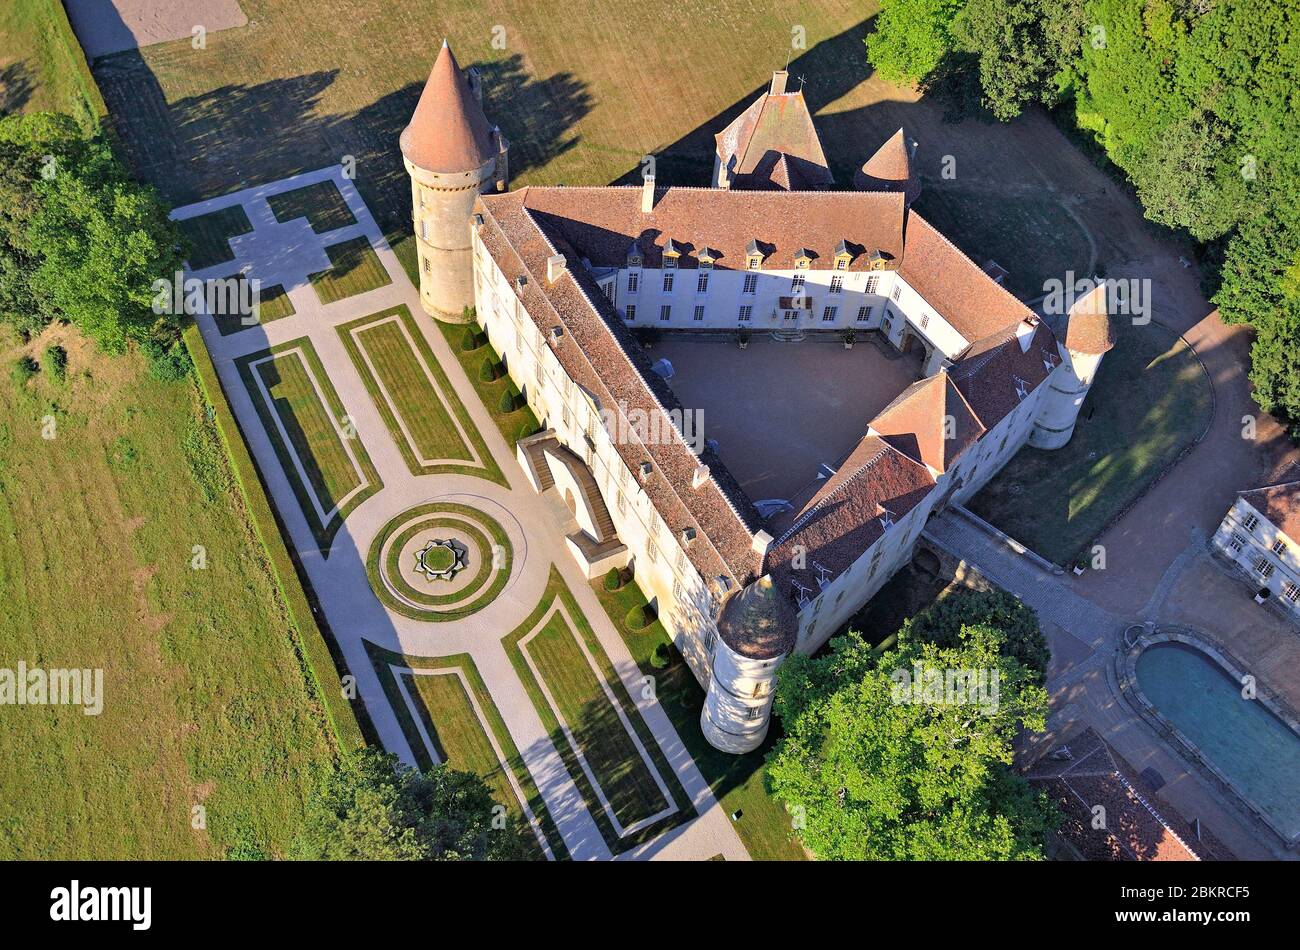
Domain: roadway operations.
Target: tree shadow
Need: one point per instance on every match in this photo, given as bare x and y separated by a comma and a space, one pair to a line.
16, 87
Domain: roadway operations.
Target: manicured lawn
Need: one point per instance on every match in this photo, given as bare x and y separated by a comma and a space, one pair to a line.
311, 434
738, 781
209, 235
321, 204
207, 701
273, 304
513, 424
450, 719
1150, 401
355, 268
598, 731
1002, 226
414, 396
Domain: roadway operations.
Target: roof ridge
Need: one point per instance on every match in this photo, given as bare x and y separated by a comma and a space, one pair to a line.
804, 518
966, 257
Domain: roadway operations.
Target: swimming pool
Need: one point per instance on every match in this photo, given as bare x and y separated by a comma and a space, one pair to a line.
1257, 752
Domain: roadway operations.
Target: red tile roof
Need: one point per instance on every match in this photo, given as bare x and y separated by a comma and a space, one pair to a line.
758, 621
889, 169
448, 131
1280, 504
959, 291
774, 126
1088, 327
1085, 772
602, 223
877, 485
999, 372
917, 422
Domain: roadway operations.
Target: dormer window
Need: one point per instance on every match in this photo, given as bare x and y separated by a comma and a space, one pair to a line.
671, 253
803, 259
706, 258
634, 261
670, 262
755, 262
841, 263
753, 256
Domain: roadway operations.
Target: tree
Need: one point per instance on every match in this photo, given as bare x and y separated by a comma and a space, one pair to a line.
1019, 635
875, 772
374, 808
84, 242
1026, 49
911, 38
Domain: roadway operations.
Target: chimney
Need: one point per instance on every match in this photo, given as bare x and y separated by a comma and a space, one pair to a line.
699, 476
554, 267
648, 193
778, 83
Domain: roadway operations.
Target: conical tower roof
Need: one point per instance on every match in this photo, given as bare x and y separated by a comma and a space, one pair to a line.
758, 621
448, 132
1088, 327
890, 169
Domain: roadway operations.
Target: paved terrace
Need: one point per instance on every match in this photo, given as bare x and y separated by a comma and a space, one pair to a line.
779, 410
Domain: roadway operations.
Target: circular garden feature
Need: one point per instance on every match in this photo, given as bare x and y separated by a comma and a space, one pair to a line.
439, 561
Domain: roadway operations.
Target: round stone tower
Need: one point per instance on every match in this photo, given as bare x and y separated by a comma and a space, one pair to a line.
1086, 336
452, 154
757, 627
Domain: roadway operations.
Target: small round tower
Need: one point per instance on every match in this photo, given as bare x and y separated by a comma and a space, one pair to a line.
890, 169
452, 154
1088, 335
757, 627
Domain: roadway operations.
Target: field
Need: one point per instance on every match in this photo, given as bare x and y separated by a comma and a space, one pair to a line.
547, 651
126, 548
355, 268
328, 468
452, 723
321, 204
1057, 502
41, 65
424, 415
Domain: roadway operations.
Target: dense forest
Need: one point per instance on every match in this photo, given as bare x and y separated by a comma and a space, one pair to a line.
1197, 101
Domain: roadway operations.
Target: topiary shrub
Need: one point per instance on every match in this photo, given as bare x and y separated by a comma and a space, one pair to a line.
508, 401
24, 368
613, 580
54, 362
662, 656
640, 617
488, 371
525, 430
469, 340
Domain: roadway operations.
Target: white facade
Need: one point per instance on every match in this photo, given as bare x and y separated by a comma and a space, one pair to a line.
1266, 556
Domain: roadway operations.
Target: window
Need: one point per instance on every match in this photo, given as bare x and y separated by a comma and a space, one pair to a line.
631, 312
1236, 543
751, 283
755, 712
699, 314
609, 290
634, 261
828, 314
702, 284
622, 503
651, 552
746, 313
925, 320
1264, 567
677, 589
633, 282
872, 283
424, 229
670, 262
842, 264
1250, 522
681, 560
706, 264
665, 312
758, 689
426, 266
1279, 546
668, 283
796, 283
898, 292
864, 314
837, 284
755, 262
1291, 591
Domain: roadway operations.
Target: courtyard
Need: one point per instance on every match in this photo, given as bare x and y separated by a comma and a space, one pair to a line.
779, 411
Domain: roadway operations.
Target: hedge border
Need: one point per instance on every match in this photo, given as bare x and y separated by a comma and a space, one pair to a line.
350, 720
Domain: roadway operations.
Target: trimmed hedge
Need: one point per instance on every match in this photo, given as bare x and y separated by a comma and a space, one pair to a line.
662, 656
613, 579
350, 720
